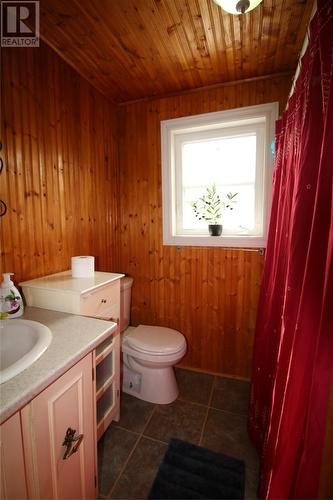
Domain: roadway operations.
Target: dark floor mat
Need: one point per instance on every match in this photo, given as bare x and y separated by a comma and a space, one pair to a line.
189, 471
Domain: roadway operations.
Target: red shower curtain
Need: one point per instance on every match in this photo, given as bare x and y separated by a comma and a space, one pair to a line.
293, 354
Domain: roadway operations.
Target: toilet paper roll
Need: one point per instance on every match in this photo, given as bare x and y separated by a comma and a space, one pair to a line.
83, 266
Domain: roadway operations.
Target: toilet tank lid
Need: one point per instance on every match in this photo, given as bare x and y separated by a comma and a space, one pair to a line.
126, 282
156, 339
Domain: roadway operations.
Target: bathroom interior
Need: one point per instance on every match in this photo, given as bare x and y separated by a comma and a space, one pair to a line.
190, 324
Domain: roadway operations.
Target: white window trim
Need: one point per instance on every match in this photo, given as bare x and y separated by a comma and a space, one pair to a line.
173, 127
240, 130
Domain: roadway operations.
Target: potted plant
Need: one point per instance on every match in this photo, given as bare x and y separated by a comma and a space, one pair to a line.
209, 207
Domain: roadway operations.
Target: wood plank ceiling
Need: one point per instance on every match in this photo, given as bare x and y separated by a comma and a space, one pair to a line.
132, 49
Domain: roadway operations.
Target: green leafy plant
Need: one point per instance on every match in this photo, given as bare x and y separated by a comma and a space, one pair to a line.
210, 207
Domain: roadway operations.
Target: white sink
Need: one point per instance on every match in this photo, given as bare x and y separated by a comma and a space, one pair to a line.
21, 343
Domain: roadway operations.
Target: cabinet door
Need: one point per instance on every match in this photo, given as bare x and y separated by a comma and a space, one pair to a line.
13, 483
67, 403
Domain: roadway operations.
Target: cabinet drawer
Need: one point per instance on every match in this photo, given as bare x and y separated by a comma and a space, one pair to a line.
102, 303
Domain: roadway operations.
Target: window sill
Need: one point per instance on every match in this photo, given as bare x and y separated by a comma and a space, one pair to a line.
216, 241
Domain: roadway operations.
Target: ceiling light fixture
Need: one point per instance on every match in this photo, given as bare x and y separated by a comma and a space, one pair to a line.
238, 6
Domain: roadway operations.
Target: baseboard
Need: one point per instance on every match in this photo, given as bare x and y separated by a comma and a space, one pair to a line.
199, 370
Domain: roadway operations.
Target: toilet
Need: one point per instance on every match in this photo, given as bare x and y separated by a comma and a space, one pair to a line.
148, 354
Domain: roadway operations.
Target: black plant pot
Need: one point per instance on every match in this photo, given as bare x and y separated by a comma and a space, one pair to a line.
215, 229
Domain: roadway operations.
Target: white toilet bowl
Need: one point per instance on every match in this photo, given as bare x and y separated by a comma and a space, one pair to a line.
149, 353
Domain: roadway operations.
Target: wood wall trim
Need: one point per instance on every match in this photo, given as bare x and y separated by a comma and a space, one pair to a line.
288, 74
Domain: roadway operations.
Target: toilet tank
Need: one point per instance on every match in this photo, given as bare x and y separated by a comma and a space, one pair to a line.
125, 301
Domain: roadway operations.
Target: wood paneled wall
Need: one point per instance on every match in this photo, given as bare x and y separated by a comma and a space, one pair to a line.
63, 185
60, 180
60, 183
209, 294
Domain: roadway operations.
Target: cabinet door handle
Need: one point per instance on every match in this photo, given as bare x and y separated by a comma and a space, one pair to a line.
71, 442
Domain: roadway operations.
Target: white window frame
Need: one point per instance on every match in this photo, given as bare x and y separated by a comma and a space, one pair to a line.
242, 119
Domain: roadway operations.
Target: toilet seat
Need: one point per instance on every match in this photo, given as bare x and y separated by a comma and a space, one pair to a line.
155, 340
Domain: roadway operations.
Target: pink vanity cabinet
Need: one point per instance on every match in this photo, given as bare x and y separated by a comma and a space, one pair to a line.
12, 481
54, 469
97, 297
48, 448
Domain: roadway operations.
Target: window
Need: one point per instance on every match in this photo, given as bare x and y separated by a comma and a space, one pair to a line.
231, 149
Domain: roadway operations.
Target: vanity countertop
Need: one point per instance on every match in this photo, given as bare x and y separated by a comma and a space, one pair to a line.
64, 282
72, 338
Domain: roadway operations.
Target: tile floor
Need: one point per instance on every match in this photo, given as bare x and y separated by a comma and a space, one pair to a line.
210, 411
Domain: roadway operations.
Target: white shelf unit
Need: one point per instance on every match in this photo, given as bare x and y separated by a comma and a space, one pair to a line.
98, 297
107, 366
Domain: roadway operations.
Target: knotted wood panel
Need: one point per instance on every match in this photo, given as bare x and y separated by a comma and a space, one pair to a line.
209, 294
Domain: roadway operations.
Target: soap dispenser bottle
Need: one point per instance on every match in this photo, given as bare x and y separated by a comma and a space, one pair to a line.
11, 303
